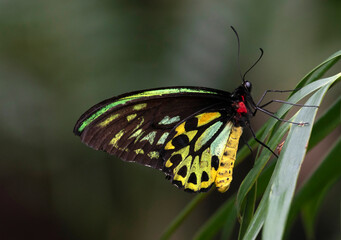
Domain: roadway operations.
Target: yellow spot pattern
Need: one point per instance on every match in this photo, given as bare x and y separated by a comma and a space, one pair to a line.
205, 118
131, 117
183, 152
140, 106
117, 137
139, 151
179, 130
196, 169
224, 172
109, 120
187, 163
136, 134
154, 154
205, 165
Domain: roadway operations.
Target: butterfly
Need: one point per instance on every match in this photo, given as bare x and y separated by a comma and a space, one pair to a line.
189, 133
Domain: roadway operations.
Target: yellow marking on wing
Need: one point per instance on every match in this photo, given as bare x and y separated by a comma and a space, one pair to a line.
131, 117
169, 146
191, 134
187, 163
117, 137
224, 172
139, 151
123, 149
140, 106
195, 168
205, 165
136, 134
205, 118
180, 129
108, 120
141, 119
183, 152
168, 164
154, 154
140, 123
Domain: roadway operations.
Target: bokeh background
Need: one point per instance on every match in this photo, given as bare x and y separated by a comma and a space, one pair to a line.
58, 58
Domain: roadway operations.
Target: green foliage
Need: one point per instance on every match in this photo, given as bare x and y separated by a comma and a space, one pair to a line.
278, 207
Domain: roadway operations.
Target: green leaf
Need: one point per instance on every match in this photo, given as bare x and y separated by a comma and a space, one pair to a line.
320, 181
265, 155
326, 124
288, 166
248, 211
260, 214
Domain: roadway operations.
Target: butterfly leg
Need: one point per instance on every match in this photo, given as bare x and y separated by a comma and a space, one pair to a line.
244, 140
280, 119
268, 91
260, 142
284, 102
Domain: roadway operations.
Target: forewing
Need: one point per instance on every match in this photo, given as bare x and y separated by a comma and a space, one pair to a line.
135, 126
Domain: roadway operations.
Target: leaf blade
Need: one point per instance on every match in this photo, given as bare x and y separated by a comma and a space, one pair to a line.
286, 172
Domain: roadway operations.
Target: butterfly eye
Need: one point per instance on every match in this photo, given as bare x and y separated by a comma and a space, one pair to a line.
248, 85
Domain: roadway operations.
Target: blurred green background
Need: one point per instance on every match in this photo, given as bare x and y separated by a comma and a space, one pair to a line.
58, 58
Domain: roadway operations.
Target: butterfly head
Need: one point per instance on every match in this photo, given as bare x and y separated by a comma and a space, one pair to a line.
247, 85
243, 92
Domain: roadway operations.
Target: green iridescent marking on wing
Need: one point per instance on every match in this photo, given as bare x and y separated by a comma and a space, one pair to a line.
207, 135
167, 120
218, 145
149, 137
161, 92
135, 134
98, 113
149, 93
163, 138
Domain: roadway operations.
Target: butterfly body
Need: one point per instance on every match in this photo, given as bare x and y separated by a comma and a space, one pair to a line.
189, 133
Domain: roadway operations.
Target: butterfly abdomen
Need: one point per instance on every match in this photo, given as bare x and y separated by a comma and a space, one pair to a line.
224, 172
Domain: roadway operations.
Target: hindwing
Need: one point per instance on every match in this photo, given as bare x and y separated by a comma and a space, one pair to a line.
201, 151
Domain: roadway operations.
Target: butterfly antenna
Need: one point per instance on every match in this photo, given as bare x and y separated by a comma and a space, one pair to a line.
259, 58
238, 41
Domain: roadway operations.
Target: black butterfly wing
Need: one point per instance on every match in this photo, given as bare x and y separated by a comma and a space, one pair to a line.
136, 126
